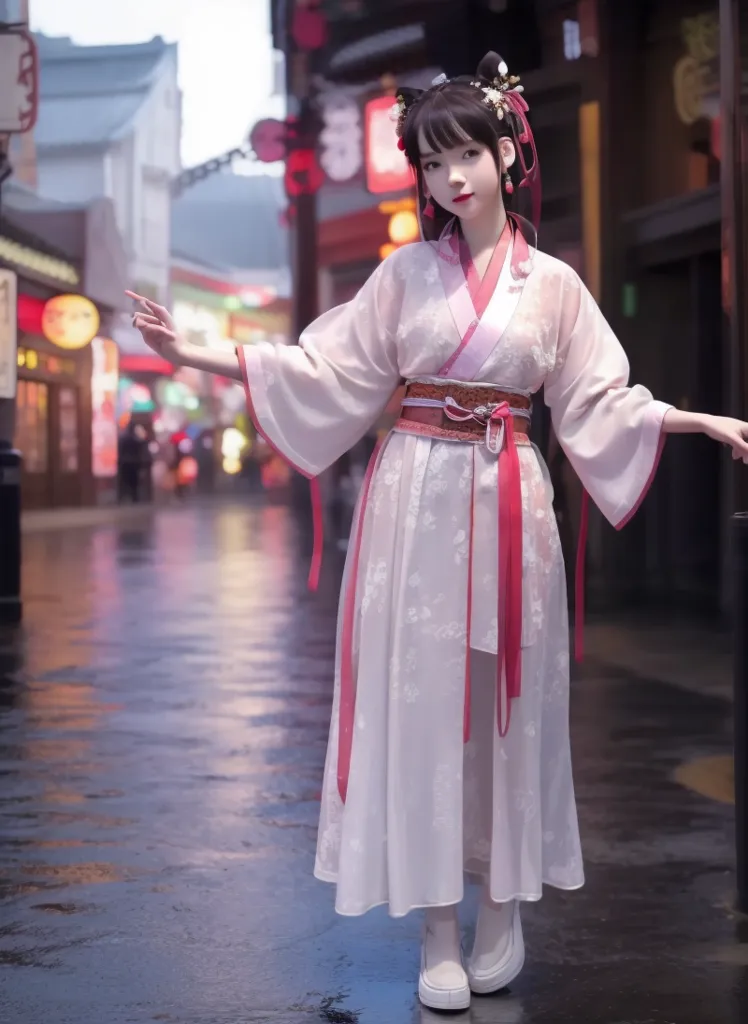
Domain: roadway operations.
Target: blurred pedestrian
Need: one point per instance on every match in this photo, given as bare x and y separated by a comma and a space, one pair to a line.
130, 463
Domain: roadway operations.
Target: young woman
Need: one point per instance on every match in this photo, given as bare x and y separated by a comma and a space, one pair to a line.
449, 745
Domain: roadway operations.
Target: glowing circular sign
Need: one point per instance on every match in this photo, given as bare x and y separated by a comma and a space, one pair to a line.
403, 227
70, 321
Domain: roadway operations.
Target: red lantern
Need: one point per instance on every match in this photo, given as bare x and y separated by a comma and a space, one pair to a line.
304, 176
309, 26
268, 140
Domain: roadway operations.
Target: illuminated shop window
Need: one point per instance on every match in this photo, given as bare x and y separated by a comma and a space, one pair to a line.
68, 432
31, 425
29, 359
572, 40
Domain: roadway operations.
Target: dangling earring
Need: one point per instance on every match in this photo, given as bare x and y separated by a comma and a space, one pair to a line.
508, 183
428, 210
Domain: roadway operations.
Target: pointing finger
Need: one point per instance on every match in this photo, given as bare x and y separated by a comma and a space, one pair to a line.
161, 311
137, 298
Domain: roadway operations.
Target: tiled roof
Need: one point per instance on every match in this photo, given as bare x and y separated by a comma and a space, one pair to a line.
89, 95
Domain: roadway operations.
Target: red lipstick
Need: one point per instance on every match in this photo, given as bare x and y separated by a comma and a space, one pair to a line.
463, 198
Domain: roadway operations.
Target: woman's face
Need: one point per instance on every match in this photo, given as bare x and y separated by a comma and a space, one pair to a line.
464, 180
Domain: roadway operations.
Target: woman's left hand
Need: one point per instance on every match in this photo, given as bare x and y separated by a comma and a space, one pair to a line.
730, 432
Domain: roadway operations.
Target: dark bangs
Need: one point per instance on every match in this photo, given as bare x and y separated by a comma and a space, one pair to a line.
449, 116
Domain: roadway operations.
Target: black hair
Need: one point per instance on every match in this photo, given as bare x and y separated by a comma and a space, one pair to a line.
449, 114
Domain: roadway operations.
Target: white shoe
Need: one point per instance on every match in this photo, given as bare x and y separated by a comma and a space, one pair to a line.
443, 983
485, 977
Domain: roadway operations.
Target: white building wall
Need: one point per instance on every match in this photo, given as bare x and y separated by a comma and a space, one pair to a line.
135, 172
71, 177
120, 164
155, 162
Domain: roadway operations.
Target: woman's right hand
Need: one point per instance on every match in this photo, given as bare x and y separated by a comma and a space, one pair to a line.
157, 328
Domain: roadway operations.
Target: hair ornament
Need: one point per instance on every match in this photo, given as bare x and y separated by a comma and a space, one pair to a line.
503, 93
404, 100
496, 93
397, 114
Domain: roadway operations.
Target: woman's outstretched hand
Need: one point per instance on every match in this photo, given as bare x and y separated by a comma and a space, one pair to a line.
157, 328
730, 432
159, 332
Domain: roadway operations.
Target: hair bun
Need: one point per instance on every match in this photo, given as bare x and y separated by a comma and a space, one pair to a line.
490, 66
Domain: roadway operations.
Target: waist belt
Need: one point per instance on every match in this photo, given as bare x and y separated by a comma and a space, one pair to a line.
461, 412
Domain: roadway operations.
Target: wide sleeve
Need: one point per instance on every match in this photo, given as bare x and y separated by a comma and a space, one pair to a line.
314, 400
610, 431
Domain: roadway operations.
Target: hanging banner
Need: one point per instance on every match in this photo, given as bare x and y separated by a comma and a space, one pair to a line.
19, 80
8, 334
104, 385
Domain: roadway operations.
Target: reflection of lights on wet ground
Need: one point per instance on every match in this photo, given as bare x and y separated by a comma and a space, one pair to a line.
80, 874
713, 777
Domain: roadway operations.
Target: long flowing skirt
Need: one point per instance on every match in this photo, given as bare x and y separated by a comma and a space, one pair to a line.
424, 810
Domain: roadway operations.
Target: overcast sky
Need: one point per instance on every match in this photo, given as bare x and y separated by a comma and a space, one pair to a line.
225, 57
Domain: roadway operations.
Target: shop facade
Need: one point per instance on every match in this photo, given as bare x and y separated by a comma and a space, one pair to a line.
53, 415
67, 262
65, 414
65, 372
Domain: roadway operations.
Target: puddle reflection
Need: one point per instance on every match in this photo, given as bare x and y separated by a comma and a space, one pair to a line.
499, 1009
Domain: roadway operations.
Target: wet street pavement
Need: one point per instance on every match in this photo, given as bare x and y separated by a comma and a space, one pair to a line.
163, 720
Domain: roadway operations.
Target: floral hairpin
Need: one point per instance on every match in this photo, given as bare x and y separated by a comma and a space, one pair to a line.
496, 93
397, 114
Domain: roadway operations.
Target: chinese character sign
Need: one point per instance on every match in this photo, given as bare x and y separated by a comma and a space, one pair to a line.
19, 81
387, 169
696, 75
8, 334
341, 138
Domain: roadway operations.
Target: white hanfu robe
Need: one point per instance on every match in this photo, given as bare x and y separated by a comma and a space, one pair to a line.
423, 809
